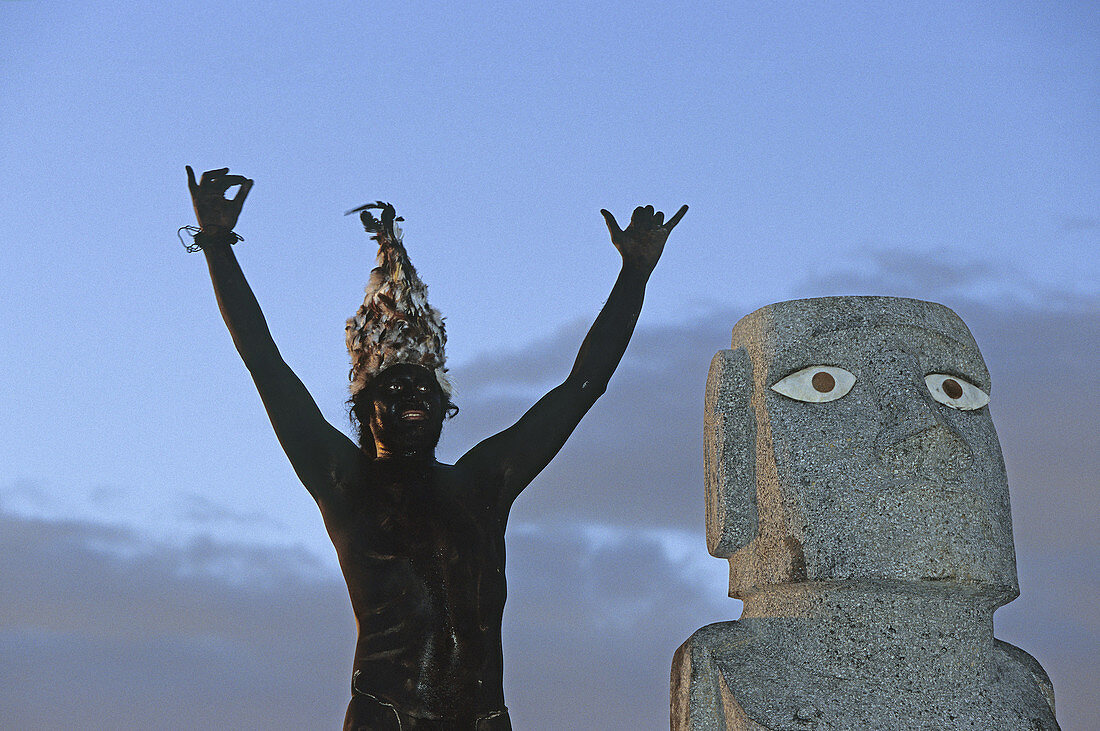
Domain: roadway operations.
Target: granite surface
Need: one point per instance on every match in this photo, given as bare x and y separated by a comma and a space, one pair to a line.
855, 483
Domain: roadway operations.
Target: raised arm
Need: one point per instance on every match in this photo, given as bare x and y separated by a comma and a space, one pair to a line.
515, 456
317, 451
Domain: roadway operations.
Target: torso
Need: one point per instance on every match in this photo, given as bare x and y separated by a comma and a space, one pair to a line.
767, 685
422, 552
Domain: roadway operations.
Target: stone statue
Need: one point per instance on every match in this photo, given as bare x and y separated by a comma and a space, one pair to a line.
420, 543
855, 483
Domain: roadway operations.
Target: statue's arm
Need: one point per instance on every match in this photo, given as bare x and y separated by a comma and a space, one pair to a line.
318, 451
515, 456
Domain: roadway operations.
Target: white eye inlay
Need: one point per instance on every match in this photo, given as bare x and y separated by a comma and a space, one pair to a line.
955, 392
816, 384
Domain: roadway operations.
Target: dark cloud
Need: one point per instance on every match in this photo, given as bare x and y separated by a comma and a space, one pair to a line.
100, 626
594, 617
1056, 621
100, 629
608, 570
1081, 223
636, 459
204, 511
940, 276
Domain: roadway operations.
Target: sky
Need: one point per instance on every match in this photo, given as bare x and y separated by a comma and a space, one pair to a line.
159, 562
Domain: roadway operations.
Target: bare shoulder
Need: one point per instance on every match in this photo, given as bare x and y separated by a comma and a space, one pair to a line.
472, 481
335, 475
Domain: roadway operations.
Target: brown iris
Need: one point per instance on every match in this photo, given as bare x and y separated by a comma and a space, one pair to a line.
952, 388
823, 382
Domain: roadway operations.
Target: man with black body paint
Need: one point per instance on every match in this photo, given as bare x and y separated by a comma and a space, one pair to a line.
420, 543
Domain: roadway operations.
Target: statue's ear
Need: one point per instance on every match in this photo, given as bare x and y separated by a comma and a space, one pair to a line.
729, 453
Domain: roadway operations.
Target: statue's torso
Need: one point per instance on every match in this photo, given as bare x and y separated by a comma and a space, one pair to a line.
423, 557
730, 676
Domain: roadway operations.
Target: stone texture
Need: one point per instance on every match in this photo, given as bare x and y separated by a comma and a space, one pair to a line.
869, 536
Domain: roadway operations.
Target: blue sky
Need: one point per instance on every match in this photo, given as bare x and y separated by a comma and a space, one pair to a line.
947, 151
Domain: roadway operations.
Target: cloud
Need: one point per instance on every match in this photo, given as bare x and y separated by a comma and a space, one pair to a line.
608, 570
1056, 621
1081, 223
636, 458
163, 635
103, 630
941, 276
217, 635
595, 614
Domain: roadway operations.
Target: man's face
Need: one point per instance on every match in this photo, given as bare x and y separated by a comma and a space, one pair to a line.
882, 451
407, 410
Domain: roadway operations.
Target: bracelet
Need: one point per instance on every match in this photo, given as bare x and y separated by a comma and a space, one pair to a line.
201, 239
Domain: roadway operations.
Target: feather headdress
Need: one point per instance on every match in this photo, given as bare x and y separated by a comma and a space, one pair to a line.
395, 323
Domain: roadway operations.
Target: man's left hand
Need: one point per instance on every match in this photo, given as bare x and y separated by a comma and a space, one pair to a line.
643, 240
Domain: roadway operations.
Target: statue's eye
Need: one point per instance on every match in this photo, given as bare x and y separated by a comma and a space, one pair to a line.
816, 384
955, 392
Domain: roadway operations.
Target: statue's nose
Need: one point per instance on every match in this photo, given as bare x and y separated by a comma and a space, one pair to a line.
914, 438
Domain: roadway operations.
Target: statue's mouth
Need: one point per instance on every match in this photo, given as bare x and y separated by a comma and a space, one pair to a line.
414, 415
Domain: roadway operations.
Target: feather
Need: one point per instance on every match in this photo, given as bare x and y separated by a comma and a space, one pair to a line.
395, 323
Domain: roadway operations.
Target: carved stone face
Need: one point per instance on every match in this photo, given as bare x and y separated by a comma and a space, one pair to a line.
849, 438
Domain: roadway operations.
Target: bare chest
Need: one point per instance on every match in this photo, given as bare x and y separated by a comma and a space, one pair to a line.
433, 555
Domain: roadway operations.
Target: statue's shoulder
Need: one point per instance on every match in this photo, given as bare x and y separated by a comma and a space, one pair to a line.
1024, 671
707, 671
719, 643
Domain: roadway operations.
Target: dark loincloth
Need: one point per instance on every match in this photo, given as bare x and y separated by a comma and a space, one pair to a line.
369, 713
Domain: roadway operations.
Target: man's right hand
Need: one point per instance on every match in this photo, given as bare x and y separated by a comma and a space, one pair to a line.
216, 213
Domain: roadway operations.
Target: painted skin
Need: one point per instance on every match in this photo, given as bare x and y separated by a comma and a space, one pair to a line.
420, 543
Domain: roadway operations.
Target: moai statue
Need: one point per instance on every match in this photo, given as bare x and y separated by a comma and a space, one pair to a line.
855, 483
